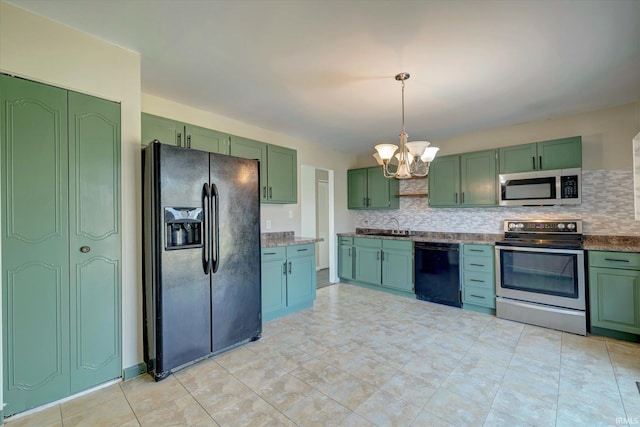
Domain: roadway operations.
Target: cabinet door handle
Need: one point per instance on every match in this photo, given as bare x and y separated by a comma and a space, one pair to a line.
289, 267
462, 201
616, 260
540, 162
85, 249
477, 296
264, 192
349, 251
179, 139
364, 201
456, 195
284, 268
270, 192
533, 158
377, 255
188, 141
381, 255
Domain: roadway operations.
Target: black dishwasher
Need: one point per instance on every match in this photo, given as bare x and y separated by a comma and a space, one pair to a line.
437, 272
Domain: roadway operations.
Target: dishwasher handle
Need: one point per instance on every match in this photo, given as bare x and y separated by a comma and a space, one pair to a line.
447, 248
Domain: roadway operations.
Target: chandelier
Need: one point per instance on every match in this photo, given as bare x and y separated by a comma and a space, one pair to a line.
413, 158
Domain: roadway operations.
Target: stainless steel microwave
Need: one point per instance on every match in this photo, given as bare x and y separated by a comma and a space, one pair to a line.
552, 187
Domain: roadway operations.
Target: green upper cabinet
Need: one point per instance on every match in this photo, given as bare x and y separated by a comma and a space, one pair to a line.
369, 189
278, 168
444, 181
545, 155
204, 139
282, 174
173, 132
463, 180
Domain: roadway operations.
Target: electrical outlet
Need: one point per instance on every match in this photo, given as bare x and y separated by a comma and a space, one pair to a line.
290, 214
267, 224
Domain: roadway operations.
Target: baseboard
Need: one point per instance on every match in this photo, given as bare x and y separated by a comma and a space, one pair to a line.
624, 336
134, 371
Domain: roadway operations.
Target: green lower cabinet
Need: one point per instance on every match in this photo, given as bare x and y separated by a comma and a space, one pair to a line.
478, 278
288, 280
61, 240
346, 256
614, 291
383, 264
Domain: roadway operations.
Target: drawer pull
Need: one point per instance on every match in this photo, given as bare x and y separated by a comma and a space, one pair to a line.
476, 280
476, 250
616, 260
477, 265
269, 253
302, 250
477, 296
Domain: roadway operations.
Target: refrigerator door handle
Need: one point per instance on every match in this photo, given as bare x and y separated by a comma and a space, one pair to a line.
215, 228
206, 244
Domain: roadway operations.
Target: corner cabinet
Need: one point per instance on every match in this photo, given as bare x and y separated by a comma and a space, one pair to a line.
180, 134
278, 169
288, 279
545, 155
614, 291
382, 264
367, 188
465, 180
478, 278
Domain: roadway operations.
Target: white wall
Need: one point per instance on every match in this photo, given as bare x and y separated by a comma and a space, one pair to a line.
310, 154
36, 48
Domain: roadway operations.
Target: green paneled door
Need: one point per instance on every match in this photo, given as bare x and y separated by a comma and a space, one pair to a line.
60, 193
478, 178
368, 265
379, 188
94, 240
250, 149
35, 263
519, 158
560, 153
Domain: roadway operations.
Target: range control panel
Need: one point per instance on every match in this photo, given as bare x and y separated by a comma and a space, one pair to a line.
572, 226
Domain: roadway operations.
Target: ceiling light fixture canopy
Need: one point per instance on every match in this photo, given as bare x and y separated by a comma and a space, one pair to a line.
413, 158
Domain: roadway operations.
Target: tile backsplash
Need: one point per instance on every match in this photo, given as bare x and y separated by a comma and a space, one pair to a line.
607, 208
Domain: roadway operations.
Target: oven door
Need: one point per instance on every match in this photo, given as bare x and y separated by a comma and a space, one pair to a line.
546, 276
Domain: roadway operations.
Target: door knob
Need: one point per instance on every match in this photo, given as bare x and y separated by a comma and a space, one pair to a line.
85, 249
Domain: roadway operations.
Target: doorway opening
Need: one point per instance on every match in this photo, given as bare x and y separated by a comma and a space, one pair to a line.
317, 212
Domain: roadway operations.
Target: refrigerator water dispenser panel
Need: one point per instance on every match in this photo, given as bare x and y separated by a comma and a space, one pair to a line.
183, 228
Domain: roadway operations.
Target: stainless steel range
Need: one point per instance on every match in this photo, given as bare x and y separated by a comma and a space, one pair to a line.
540, 274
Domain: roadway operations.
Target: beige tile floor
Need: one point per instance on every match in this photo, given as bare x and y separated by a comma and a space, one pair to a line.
366, 358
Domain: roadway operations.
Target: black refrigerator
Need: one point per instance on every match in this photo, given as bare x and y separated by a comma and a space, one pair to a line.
201, 233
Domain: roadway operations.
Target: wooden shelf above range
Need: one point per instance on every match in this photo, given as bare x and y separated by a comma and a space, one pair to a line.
413, 195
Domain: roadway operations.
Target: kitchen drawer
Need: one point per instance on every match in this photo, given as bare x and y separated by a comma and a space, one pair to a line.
624, 260
478, 263
403, 245
269, 254
478, 250
478, 279
368, 242
345, 240
479, 296
295, 251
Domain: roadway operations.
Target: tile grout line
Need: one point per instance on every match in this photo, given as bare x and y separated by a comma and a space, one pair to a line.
128, 403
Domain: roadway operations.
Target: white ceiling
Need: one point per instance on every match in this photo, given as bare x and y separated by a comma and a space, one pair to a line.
322, 70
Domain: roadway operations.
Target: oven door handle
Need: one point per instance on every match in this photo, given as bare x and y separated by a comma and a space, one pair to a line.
534, 249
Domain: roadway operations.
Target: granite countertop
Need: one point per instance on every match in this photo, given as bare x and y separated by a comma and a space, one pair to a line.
285, 238
591, 242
